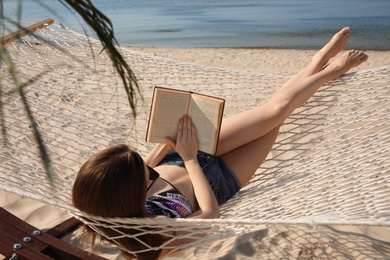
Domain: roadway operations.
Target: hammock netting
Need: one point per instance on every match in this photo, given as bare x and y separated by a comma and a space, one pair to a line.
328, 170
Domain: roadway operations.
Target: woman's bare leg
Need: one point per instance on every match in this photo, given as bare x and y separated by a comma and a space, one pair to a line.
250, 125
246, 159
335, 45
330, 50
247, 138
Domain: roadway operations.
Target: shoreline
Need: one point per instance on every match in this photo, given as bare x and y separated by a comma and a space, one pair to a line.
236, 47
258, 60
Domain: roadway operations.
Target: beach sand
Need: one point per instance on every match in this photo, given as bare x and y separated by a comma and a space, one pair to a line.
268, 61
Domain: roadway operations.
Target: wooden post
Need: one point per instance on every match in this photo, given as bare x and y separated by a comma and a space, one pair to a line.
26, 242
27, 30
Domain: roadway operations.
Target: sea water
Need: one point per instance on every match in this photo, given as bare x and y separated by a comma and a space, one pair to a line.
299, 24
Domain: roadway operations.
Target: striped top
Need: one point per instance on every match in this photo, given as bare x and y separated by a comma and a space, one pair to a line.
170, 203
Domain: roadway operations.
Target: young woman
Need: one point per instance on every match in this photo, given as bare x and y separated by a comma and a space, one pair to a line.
175, 180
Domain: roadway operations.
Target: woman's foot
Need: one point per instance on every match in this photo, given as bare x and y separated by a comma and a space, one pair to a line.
333, 47
347, 61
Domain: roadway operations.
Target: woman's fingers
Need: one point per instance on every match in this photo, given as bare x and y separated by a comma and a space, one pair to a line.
186, 129
186, 143
193, 130
188, 123
180, 129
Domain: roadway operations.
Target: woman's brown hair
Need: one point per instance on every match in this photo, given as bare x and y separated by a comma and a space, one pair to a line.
112, 184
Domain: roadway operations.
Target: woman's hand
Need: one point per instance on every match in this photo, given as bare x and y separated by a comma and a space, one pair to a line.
157, 154
186, 143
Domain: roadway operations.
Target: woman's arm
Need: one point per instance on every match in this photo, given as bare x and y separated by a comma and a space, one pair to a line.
204, 195
187, 147
157, 154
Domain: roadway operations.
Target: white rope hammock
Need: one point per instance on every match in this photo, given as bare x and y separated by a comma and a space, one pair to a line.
329, 167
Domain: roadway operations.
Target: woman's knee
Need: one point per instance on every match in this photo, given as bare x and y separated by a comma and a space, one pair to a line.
280, 110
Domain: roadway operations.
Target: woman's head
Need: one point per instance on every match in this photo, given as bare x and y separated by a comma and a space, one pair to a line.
112, 184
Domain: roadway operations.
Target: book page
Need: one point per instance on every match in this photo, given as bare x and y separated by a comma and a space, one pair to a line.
206, 113
167, 108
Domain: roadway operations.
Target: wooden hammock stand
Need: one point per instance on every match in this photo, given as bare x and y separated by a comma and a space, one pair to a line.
20, 240
25, 31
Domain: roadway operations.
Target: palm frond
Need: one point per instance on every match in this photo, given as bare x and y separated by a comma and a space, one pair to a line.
104, 30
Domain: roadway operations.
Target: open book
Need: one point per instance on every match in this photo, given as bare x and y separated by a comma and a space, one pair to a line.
169, 105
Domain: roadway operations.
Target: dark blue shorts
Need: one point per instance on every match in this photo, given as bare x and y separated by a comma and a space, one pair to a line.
222, 180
